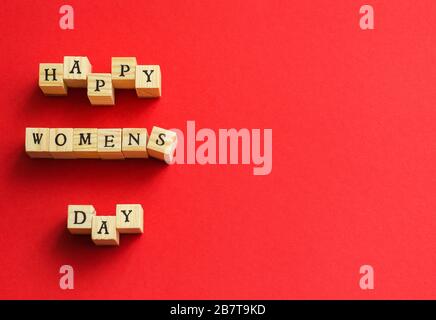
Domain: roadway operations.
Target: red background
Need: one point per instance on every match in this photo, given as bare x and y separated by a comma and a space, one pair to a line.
353, 115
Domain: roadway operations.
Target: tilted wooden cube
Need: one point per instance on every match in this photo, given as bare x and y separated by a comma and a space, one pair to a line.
162, 144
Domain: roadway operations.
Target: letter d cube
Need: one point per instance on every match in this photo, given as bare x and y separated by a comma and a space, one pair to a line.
80, 219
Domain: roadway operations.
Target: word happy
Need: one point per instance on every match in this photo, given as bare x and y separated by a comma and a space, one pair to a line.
76, 72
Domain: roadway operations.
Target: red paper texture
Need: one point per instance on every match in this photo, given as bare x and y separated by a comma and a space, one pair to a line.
353, 115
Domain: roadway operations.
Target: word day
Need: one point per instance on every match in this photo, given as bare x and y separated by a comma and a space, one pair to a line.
105, 230
228, 146
76, 72
93, 143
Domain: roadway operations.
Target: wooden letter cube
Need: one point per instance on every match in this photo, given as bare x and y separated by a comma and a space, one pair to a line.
104, 231
100, 90
51, 79
80, 219
85, 143
135, 142
162, 144
109, 144
76, 70
61, 143
148, 81
123, 72
37, 142
130, 218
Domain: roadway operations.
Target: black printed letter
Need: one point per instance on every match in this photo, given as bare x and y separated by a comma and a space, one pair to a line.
57, 141
131, 136
84, 140
99, 84
161, 138
37, 138
148, 74
107, 140
54, 74
126, 214
75, 217
103, 226
124, 68
76, 66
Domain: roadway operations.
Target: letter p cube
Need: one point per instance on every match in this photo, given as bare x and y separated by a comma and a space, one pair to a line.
100, 89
